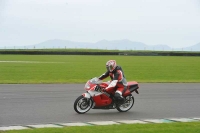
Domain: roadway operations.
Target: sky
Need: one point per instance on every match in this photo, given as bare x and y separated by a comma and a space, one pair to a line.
175, 23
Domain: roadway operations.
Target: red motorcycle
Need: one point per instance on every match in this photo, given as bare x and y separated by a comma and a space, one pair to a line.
95, 98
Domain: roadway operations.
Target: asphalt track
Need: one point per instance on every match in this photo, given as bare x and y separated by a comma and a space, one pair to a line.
53, 103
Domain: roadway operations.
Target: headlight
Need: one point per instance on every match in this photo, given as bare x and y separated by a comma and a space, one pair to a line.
87, 86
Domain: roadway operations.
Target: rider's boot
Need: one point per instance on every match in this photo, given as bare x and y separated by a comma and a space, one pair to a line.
119, 99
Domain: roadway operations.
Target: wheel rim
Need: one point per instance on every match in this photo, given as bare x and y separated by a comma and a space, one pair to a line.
127, 104
83, 105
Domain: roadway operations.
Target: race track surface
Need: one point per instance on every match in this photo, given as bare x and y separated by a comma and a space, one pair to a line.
53, 103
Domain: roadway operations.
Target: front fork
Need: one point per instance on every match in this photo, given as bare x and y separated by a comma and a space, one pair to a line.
88, 97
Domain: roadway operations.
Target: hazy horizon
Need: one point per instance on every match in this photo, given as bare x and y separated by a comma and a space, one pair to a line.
168, 22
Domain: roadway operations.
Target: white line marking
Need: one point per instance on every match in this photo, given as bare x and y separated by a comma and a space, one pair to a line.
131, 122
73, 124
182, 119
44, 126
12, 128
196, 118
60, 125
158, 120
103, 123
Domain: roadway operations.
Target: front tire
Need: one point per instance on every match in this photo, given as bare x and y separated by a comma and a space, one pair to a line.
82, 105
127, 105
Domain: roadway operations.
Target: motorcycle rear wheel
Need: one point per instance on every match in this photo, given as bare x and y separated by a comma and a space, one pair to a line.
127, 105
82, 105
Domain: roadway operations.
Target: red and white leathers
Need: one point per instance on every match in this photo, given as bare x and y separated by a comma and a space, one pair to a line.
118, 81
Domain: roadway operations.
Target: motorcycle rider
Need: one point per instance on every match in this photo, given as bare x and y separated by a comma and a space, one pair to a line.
118, 81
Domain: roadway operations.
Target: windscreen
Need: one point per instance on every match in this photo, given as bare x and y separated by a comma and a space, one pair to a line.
95, 81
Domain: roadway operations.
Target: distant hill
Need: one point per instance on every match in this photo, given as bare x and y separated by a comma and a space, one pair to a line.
192, 48
120, 44
105, 44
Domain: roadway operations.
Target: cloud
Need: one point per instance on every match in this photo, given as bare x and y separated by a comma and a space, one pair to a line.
149, 21
2, 8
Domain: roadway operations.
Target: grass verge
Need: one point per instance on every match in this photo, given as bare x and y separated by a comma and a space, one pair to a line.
31, 69
191, 127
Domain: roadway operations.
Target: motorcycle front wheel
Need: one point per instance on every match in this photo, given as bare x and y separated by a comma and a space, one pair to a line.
127, 105
82, 104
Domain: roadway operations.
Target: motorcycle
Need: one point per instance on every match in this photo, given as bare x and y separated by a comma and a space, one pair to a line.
95, 98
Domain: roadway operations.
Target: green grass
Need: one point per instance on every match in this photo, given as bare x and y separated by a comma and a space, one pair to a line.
78, 69
193, 127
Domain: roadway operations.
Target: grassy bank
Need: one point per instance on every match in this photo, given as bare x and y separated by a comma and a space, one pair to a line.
193, 127
78, 69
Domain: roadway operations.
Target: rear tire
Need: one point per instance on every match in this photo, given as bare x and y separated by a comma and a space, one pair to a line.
127, 105
82, 104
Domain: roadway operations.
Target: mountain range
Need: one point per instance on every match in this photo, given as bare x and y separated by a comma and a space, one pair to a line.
105, 44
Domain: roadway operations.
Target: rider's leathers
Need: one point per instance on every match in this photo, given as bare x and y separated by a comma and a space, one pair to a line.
118, 82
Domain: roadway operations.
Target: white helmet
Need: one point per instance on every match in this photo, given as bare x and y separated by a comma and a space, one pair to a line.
111, 65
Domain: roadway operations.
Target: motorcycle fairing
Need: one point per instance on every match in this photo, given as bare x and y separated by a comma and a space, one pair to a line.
102, 100
132, 86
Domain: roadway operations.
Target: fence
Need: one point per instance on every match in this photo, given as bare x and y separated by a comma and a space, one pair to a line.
124, 53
